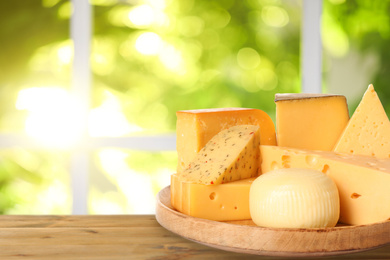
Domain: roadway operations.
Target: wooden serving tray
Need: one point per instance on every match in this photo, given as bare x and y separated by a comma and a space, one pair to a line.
245, 237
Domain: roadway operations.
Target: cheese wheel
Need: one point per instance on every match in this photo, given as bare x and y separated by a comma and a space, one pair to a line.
294, 198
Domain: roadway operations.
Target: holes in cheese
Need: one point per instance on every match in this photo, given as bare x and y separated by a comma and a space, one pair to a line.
286, 161
368, 130
224, 202
233, 154
325, 169
294, 198
355, 195
363, 175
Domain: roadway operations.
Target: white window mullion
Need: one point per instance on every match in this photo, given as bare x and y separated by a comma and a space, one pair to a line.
81, 33
155, 143
311, 47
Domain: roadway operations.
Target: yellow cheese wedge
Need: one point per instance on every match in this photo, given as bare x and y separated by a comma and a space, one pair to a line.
368, 130
224, 202
194, 128
310, 121
294, 198
363, 182
231, 155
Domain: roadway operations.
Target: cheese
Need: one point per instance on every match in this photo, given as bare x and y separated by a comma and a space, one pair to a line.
310, 121
363, 182
294, 198
232, 154
194, 128
229, 201
368, 131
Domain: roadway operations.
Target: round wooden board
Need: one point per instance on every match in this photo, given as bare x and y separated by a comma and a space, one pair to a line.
245, 237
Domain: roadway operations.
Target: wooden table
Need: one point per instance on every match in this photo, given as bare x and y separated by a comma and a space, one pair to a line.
112, 237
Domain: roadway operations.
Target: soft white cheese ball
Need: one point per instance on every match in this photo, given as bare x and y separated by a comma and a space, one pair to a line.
294, 198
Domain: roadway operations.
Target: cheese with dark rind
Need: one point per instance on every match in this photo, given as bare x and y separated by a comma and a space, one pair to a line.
310, 121
232, 154
194, 128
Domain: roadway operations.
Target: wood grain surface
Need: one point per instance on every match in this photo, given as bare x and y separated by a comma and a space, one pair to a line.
113, 237
245, 237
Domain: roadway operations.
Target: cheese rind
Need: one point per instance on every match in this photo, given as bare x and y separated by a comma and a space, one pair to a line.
232, 154
363, 182
224, 202
194, 128
368, 130
294, 198
310, 121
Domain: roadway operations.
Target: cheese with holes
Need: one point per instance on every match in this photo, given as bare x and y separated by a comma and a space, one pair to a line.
194, 128
294, 198
231, 155
310, 121
368, 130
229, 201
363, 182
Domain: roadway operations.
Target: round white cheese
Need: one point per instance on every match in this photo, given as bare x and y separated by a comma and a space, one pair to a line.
294, 198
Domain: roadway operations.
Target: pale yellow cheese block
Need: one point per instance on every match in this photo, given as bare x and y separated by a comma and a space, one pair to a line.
363, 182
294, 198
231, 155
194, 128
368, 130
310, 121
223, 202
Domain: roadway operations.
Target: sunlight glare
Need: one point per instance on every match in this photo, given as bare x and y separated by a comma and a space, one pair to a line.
65, 54
172, 59
275, 16
53, 115
158, 4
105, 203
109, 119
142, 15
55, 197
137, 187
148, 43
163, 178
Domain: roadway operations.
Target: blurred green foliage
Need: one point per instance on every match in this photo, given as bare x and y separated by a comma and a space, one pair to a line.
365, 25
33, 182
157, 57
27, 28
212, 54
126, 181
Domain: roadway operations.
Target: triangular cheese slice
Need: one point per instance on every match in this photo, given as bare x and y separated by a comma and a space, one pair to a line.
368, 130
231, 155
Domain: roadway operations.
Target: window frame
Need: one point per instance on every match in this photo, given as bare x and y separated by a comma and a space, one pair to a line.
81, 35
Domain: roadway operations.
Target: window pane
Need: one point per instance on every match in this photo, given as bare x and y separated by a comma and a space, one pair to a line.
34, 182
127, 182
152, 58
35, 56
356, 36
35, 61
